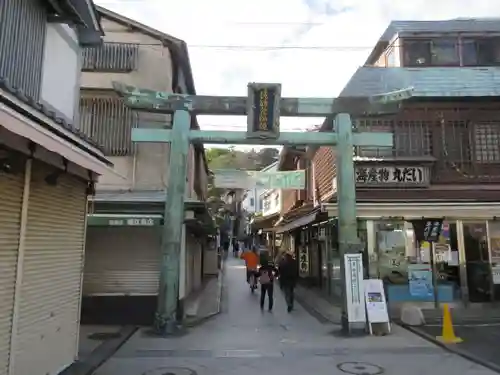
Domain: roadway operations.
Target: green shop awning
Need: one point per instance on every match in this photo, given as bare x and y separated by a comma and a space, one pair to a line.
122, 220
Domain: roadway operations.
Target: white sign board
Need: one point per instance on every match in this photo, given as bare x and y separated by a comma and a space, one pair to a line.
495, 272
354, 288
238, 179
376, 304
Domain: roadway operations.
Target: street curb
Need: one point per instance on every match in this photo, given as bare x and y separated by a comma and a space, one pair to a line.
220, 284
101, 354
313, 311
452, 349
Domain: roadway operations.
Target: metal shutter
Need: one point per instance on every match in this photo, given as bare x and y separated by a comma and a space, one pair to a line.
48, 322
122, 261
11, 188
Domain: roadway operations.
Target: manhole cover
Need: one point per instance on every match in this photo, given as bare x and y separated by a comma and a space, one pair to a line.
104, 335
360, 368
170, 371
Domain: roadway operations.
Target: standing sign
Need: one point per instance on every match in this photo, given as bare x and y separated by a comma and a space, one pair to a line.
495, 273
376, 304
420, 280
354, 288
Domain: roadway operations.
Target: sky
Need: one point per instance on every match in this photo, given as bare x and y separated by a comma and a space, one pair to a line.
311, 47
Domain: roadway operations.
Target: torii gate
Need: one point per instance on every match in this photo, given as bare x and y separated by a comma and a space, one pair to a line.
263, 107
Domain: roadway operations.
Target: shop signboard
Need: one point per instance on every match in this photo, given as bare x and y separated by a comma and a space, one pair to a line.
123, 221
495, 273
420, 280
377, 176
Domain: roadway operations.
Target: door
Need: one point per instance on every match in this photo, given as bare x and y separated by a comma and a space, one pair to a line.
122, 261
48, 322
477, 261
11, 188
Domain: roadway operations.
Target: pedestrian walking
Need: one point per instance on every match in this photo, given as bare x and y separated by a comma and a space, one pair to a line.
267, 273
280, 261
289, 274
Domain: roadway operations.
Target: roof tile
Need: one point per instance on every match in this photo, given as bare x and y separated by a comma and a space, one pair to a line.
426, 82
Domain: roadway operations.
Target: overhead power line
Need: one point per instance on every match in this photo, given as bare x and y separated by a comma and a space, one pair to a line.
265, 48
279, 47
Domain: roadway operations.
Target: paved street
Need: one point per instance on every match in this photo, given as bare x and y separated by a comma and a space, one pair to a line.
480, 339
245, 341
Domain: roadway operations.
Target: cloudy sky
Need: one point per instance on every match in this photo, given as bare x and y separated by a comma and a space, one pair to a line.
311, 46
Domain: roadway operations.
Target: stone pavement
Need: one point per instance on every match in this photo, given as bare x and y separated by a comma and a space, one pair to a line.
242, 340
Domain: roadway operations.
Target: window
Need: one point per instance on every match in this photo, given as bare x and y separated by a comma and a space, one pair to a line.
391, 57
417, 53
481, 52
374, 126
486, 137
252, 202
436, 52
111, 57
108, 122
444, 52
411, 138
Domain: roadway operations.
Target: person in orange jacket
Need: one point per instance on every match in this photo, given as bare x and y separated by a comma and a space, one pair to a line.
251, 259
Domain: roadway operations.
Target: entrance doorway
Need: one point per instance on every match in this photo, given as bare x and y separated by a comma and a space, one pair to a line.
477, 261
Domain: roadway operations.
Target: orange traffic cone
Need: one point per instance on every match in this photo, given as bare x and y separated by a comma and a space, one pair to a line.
448, 333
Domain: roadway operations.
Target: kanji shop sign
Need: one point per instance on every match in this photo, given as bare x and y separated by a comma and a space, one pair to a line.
391, 175
427, 229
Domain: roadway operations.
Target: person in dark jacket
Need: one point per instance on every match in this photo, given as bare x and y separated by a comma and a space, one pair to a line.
267, 273
289, 274
281, 261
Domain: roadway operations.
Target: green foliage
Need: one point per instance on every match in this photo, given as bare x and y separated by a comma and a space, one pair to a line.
230, 158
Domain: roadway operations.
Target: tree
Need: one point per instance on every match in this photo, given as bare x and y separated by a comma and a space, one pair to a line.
230, 158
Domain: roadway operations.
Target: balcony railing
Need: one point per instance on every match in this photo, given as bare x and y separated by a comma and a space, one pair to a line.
109, 123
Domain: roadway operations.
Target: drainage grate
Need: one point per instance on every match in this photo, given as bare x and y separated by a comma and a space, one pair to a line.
170, 371
104, 336
360, 368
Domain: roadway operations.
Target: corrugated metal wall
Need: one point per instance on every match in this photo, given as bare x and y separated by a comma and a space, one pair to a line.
22, 37
111, 57
109, 123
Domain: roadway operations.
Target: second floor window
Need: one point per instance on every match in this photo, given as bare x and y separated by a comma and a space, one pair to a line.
107, 121
410, 138
436, 52
111, 57
481, 51
252, 202
476, 142
391, 58
486, 136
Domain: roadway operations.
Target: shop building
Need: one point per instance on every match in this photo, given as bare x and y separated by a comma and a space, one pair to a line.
47, 169
263, 223
123, 253
443, 164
